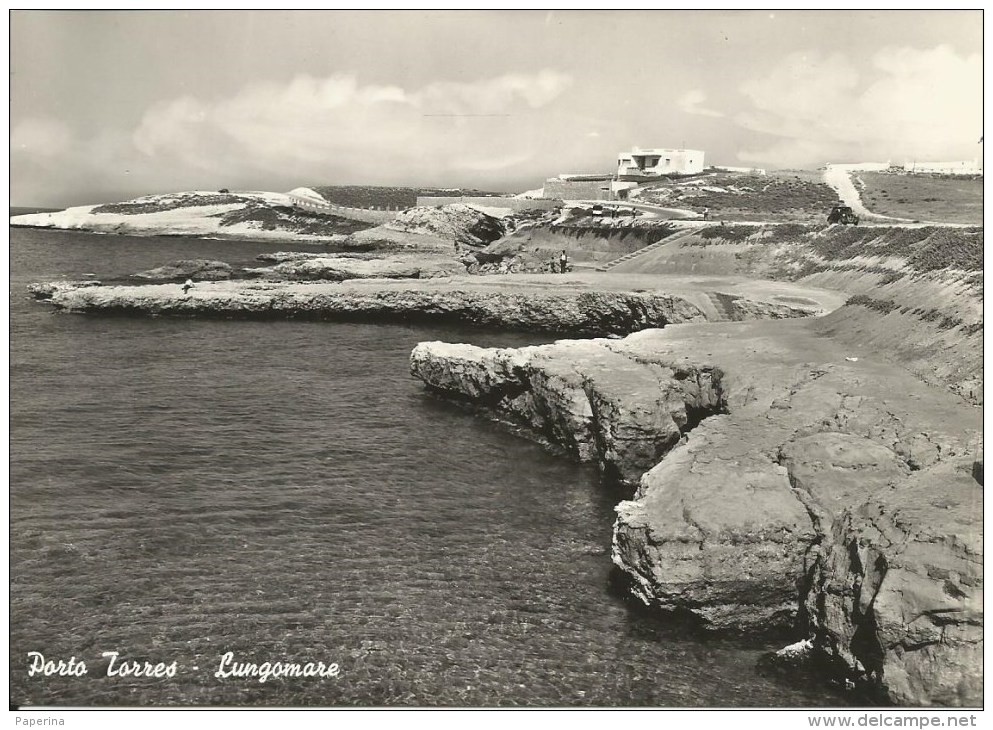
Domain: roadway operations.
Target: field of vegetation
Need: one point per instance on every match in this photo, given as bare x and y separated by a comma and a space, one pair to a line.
460, 192
788, 196
161, 203
368, 196
939, 198
390, 198
928, 248
278, 218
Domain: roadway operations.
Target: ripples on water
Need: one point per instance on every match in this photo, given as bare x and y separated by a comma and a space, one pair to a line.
286, 491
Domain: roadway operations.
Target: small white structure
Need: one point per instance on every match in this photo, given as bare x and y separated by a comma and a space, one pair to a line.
655, 162
732, 168
862, 166
958, 167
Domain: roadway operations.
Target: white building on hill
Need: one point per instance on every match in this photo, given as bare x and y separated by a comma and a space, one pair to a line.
656, 162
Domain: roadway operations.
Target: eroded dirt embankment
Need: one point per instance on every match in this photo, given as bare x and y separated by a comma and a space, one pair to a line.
914, 294
586, 240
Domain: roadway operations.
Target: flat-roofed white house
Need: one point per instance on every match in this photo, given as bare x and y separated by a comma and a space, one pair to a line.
655, 162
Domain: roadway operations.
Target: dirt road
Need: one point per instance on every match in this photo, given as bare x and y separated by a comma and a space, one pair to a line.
648, 210
839, 177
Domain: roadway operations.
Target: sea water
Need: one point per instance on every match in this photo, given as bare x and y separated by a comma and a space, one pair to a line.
189, 498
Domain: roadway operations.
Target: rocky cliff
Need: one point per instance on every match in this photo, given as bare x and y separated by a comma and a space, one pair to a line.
780, 483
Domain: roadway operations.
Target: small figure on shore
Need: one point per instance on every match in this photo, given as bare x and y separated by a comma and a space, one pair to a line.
706, 214
563, 261
187, 285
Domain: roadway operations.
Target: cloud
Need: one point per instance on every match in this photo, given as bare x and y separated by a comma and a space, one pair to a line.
333, 128
40, 137
906, 103
690, 103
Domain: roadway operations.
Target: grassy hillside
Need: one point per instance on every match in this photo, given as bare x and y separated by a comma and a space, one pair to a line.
924, 249
461, 192
788, 196
277, 218
176, 201
939, 198
368, 196
376, 196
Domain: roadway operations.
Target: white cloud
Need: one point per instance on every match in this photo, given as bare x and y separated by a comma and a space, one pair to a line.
493, 164
907, 103
690, 103
329, 128
40, 137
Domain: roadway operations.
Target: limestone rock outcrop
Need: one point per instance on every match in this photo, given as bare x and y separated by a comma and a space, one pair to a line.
785, 486
445, 229
331, 267
580, 395
580, 312
895, 597
586, 304
195, 269
46, 289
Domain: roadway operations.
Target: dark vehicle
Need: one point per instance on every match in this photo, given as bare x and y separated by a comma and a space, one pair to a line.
598, 209
844, 215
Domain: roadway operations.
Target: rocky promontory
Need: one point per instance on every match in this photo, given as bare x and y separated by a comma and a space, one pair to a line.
195, 269
276, 217
781, 479
582, 303
338, 267
239, 215
447, 229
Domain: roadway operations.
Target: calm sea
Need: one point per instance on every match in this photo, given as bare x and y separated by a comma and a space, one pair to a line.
285, 491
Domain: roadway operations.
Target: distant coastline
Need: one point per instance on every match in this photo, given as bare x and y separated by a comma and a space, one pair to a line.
28, 210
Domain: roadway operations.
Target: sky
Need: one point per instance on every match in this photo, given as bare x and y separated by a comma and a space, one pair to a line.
109, 105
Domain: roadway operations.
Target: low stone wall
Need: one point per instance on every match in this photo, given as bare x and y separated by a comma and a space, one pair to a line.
368, 215
515, 204
577, 189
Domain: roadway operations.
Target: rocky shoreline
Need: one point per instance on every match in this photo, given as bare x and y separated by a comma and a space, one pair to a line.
819, 476
779, 482
570, 304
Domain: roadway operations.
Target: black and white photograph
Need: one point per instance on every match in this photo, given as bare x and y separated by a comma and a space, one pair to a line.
497, 359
